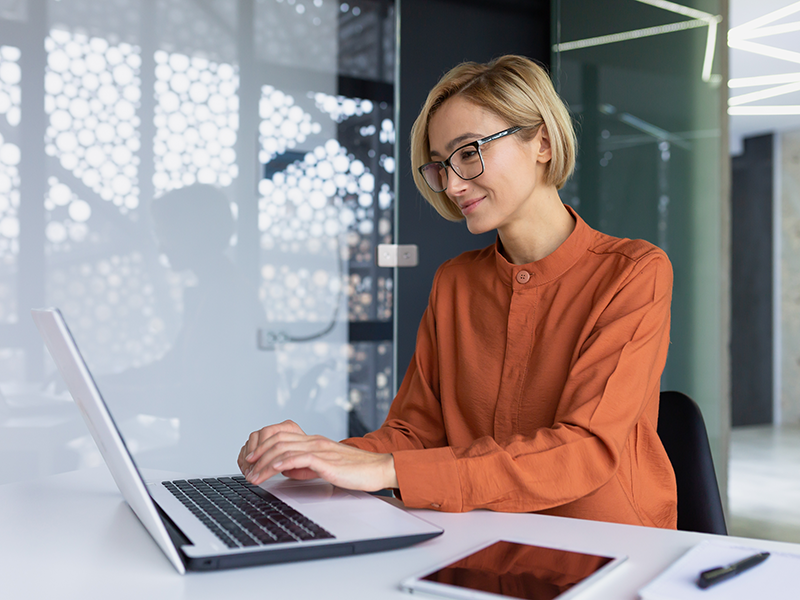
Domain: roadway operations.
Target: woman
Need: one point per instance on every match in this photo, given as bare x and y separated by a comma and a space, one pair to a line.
535, 381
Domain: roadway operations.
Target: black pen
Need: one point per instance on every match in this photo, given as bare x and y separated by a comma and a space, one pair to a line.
718, 574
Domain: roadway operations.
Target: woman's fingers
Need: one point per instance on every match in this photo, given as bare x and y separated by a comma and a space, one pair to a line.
255, 445
267, 459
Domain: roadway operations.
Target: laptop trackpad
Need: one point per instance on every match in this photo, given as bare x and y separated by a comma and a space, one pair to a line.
309, 492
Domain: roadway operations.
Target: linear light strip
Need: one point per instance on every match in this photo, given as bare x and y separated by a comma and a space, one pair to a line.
711, 20
785, 83
644, 126
679, 135
622, 142
765, 50
764, 110
680, 9
764, 94
700, 19
764, 20
742, 82
628, 35
711, 45
768, 31
652, 130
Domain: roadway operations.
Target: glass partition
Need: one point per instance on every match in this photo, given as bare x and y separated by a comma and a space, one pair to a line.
200, 187
644, 80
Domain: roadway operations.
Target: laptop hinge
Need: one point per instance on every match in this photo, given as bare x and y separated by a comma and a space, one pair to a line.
179, 540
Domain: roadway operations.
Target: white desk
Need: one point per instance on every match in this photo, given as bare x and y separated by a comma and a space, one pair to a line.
72, 536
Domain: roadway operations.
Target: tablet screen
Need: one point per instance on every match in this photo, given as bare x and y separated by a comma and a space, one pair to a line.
513, 570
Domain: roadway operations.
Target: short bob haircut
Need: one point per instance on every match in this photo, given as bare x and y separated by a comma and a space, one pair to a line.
515, 89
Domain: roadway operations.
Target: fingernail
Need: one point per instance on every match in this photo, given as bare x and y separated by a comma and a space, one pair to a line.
249, 456
252, 477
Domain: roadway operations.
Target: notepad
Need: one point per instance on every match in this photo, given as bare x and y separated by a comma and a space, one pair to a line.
776, 578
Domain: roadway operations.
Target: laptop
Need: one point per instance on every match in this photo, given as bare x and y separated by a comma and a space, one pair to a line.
210, 523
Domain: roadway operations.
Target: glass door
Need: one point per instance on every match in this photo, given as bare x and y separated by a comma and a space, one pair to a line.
200, 187
645, 81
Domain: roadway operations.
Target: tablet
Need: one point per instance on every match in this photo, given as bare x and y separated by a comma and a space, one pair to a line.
512, 569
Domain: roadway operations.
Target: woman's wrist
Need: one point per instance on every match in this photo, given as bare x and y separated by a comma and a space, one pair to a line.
390, 475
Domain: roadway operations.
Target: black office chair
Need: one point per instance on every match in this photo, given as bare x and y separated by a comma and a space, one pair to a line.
683, 433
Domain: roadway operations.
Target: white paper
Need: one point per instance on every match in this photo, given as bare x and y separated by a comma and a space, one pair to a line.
775, 578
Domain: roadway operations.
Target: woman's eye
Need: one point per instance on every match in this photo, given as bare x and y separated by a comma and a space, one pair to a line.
467, 154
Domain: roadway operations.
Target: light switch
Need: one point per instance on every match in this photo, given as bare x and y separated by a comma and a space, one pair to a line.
397, 255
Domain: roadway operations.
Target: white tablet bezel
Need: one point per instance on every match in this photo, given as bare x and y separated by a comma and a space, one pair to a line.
417, 583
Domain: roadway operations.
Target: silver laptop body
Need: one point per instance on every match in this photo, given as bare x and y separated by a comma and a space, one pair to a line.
358, 522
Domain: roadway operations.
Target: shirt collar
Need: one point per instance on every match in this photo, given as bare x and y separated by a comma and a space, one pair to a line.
551, 266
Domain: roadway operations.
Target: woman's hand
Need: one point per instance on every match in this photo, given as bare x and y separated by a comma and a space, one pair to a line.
285, 448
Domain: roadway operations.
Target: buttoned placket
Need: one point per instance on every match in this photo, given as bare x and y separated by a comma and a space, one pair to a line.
520, 335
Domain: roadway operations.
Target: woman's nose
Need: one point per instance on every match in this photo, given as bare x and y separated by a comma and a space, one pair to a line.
455, 185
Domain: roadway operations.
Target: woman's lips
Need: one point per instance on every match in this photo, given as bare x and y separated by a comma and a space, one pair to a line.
470, 205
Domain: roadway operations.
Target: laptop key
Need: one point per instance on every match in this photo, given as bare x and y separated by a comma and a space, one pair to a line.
241, 514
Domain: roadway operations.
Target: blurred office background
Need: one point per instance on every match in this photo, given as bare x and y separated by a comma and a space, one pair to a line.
764, 110
201, 185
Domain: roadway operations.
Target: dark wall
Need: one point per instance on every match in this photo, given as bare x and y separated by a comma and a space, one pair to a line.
751, 284
436, 35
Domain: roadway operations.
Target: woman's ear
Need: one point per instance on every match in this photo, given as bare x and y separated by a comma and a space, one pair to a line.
545, 152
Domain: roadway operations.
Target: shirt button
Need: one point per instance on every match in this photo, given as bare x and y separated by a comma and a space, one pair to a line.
523, 277
435, 505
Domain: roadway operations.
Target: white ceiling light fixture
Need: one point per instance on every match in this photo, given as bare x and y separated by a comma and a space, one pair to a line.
755, 28
698, 19
740, 38
772, 92
775, 110
767, 31
757, 81
710, 20
625, 36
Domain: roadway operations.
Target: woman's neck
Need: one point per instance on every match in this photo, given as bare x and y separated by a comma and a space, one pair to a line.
538, 235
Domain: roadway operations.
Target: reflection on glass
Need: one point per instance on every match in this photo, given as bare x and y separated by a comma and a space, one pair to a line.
643, 81
9, 180
211, 365
203, 180
197, 117
92, 89
520, 571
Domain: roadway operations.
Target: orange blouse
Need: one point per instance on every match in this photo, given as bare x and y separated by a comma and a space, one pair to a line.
535, 388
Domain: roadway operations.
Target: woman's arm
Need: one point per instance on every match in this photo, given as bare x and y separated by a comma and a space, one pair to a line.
285, 448
599, 418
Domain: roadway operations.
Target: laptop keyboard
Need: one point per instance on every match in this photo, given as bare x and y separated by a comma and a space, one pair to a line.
241, 514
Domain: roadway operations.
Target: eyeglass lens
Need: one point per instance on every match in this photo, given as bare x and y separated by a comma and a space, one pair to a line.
466, 162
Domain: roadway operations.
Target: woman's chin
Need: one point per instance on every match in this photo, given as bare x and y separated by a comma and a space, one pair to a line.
477, 226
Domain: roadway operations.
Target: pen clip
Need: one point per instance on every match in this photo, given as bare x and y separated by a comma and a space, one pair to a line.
716, 572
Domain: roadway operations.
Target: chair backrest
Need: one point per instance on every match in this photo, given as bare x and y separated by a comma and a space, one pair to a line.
683, 433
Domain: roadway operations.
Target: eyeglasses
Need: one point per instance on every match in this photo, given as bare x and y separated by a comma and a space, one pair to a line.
466, 162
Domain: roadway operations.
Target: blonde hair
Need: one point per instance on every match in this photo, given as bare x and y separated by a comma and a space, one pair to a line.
517, 90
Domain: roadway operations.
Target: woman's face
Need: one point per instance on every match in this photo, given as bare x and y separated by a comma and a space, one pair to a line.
505, 194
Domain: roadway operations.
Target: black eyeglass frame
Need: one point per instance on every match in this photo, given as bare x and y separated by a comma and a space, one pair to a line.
477, 145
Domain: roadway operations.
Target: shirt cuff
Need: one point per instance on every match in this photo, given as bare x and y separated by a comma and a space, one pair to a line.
368, 444
429, 479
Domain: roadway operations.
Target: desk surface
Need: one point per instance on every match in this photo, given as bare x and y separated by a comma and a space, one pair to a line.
73, 536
